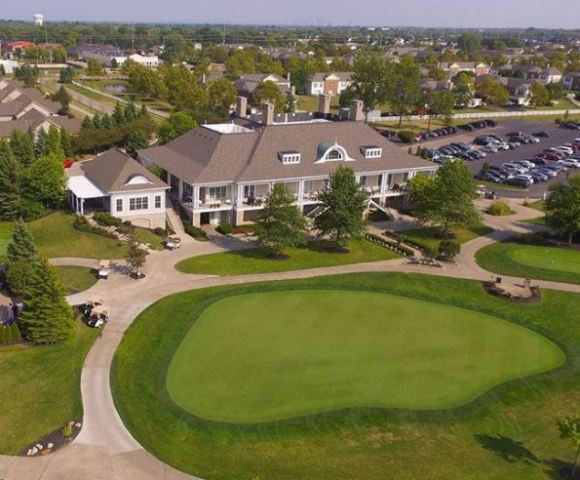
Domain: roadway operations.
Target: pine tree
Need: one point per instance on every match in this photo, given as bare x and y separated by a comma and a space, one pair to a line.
118, 117
143, 112
53, 144
9, 183
40, 144
22, 246
47, 317
22, 261
130, 112
87, 123
136, 141
96, 121
106, 122
22, 144
46, 181
281, 224
66, 143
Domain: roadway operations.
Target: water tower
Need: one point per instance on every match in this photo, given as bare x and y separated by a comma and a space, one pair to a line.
38, 19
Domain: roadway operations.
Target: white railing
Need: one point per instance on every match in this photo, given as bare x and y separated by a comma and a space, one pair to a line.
374, 117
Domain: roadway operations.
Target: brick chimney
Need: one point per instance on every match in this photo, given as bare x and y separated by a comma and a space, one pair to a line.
268, 113
356, 111
324, 104
241, 107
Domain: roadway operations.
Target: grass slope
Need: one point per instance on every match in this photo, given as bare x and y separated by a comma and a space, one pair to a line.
255, 261
510, 433
531, 261
429, 237
320, 350
76, 279
40, 389
56, 237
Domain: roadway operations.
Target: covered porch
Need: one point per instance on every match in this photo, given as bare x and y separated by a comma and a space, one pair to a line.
84, 196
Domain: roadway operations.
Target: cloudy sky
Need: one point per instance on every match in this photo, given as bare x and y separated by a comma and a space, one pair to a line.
448, 13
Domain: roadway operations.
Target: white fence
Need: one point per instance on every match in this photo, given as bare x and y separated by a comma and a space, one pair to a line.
376, 117
153, 111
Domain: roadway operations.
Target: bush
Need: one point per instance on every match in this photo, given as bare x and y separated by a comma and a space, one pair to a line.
395, 247
499, 208
225, 228
10, 334
160, 232
449, 249
67, 430
406, 136
82, 225
249, 229
195, 232
31, 210
105, 218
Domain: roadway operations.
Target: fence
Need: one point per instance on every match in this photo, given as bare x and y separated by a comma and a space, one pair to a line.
376, 117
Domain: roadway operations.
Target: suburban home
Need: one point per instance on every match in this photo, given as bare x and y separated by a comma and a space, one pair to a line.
571, 81
331, 83
114, 182
454, 68
224, 172
246, 85
543, 75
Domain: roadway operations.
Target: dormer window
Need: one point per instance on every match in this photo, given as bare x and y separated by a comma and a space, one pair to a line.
372, 151
289, 158
334, 154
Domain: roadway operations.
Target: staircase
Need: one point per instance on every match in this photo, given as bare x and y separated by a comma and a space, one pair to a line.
173, 219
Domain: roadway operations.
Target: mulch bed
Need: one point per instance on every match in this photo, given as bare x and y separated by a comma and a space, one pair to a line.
492, 289
51, 442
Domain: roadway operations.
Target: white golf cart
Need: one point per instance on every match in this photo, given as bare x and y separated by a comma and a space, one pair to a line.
104, 269
173, 243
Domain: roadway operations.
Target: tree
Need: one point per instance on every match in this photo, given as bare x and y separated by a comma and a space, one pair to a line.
47, 317
342, 204
563, 207
53, 144
63, 97
175, 125
46, 181
221, 96
67, 75
464, 86
22, 145
114, 63
94, 68
9, 183
440, 103
118, 115
22, 260
269, 92
469, 43
131, 112
281, 224
136, 141
445, 199
369, 81
492, 92
539, 94
570, 430
2, 70
404, 87
40, 143
66, 143
136, 256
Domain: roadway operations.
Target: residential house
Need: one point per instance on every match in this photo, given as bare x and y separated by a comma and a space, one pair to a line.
454, 68
331, 83
9, 65
246, 85
571, 81
224, 172
116, 183
543, 75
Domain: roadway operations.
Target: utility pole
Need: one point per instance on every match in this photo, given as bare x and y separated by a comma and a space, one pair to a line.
224, 36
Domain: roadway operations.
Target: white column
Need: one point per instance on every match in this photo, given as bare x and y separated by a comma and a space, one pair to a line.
195, 197
300, 191
82, 206
180, 189
240, 200
384, 184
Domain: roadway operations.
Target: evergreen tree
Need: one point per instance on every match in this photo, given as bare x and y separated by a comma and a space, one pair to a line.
40, 143
143, 112
131, 112
87, 123
9, 183
21, 246
281, 224
46, 181
22, 145
47, 317
53, 144
66, 143
136, 141
22, 261
343, 204
96, 121
118, 117
106, 122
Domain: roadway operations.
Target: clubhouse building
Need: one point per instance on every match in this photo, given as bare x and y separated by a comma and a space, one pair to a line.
224, 172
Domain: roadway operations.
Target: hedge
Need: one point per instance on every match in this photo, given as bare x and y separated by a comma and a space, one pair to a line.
395, 247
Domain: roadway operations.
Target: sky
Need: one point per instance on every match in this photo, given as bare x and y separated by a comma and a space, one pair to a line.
423, 13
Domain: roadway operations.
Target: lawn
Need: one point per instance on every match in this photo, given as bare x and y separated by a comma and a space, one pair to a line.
143, 235
309, 103
320, 351
429, 237
255, 260
76, 279
56, 236
40, 389
508, 433
5, 237
531, 261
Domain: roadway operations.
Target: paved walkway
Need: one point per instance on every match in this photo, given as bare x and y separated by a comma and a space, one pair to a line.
105, 450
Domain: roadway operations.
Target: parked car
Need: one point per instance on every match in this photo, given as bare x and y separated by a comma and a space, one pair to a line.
489, 149
531, 139
518, 182
551, 156
541, 134
515, 134
538, 176
570, 126
490, 123
569, 162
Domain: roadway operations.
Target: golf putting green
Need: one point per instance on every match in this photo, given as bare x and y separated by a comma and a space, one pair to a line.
262, 357
547, 257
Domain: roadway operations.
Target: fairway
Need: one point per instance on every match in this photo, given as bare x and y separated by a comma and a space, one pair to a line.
262, 357
533, 261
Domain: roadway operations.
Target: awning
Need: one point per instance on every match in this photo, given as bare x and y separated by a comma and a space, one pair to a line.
82, 187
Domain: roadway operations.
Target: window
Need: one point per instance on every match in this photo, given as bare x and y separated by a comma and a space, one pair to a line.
289, 158
334, 154
119, 206
217, 193
187, 193
138, 203
372, 152
362, 181
157, 201
308, 186
249, 191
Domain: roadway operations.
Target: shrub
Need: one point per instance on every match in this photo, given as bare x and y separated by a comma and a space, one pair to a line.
82, 225
31, 210
406, 136
499, 208
395, 247
3, 335
249, 229
67, 430
195, 232
160, 232
449, 249
105, 218
225, 228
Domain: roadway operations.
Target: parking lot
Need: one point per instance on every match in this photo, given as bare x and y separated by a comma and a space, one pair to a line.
557, 137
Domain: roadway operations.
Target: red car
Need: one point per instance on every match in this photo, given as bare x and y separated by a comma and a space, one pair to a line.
550, 156
67, 163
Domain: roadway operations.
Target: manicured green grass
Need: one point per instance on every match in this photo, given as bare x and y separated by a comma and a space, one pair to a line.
76, 279
429, 237
309, 103
142, 235
255, 260
319, 350
5, 236
509, 433
56, 237
40, 389
531, 261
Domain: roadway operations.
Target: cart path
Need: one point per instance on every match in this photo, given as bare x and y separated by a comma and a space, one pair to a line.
105, 450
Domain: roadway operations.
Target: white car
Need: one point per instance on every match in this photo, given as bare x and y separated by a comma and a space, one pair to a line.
569, 162
525, 163
531, 139
514, 168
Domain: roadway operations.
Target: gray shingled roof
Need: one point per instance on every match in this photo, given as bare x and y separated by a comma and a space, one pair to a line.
110, 171
205, 156
320, 77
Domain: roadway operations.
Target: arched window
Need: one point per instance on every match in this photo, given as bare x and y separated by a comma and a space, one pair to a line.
334, 154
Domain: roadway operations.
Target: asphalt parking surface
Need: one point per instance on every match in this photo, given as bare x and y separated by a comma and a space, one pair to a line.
557, 137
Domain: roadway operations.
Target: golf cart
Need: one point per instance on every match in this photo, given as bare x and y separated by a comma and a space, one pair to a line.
173, 243
98, 316
91, 303
104, 269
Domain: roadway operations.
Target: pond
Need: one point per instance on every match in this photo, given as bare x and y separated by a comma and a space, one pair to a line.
116, 88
